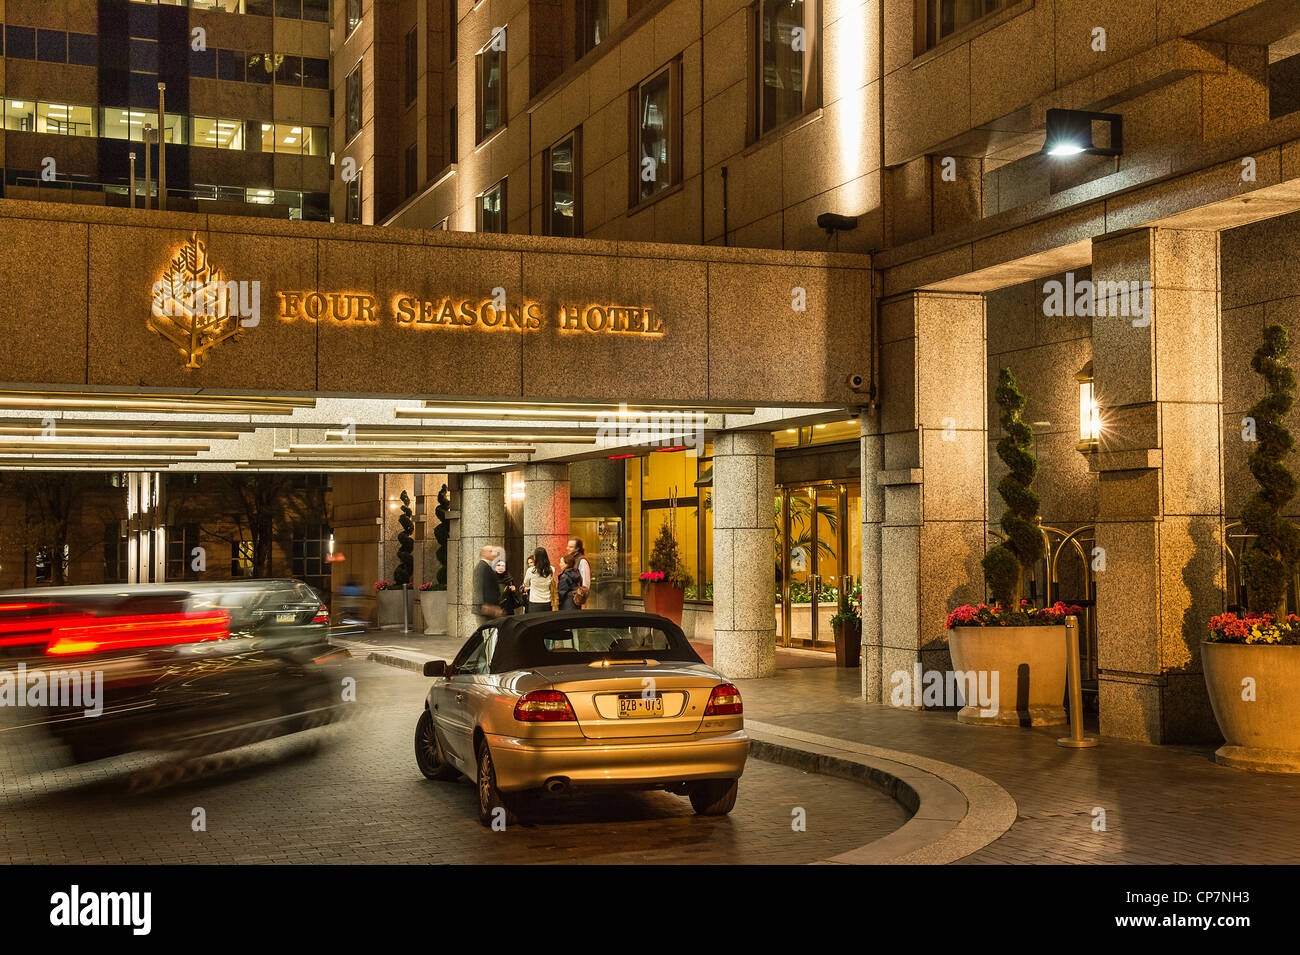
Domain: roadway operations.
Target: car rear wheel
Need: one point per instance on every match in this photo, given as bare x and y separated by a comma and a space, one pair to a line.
714, 797
493, 804
428, 751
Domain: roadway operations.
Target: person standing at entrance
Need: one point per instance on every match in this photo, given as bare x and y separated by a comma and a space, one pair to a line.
568, 588
541, 591
487, 588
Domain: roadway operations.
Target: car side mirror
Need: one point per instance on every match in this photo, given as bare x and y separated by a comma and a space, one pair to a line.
435, 668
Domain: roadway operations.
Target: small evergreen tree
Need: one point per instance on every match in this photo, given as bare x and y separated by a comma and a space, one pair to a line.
666, 559
405, 545
441, 531
1005, 563
1270, 559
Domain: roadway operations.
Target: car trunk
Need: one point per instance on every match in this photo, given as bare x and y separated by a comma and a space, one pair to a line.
599, 693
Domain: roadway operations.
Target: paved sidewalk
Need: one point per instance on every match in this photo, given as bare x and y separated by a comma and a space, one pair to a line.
1163, 804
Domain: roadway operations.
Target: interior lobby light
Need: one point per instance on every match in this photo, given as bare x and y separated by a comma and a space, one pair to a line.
1070, 133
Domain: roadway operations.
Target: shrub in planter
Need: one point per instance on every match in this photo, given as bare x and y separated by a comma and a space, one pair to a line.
664, 584
1009, 643
1252, 661
847, 625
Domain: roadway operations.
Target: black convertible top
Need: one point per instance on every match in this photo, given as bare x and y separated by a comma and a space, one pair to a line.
520, 640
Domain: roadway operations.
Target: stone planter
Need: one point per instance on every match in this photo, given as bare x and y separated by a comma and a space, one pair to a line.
1030, 666
664, 599
848, 643
1262, 734
390, 608
433, 608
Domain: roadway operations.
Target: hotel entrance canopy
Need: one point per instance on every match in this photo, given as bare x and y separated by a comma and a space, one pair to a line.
153, 339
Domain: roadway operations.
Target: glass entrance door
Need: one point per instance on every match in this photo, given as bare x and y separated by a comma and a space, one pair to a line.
818, 556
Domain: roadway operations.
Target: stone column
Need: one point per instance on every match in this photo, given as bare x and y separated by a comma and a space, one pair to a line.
482, 522
932, 428
872, 517
546, 509
744, 580
1160, 481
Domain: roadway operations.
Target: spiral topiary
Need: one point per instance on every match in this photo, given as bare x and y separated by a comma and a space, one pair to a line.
441, 532
1005, 563
1270, 558
405, 544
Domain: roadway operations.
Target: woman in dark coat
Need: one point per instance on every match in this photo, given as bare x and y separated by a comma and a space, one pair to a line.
569, 586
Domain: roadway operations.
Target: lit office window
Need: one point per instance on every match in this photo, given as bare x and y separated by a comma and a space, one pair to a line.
294, 140
260, 197
129, 124
353, 103
491, 85
65, 120
221, 6
218, 133
20, 115
656, 130
354, 14
788, 60
592, 19
492, 209
563, 172
945, 17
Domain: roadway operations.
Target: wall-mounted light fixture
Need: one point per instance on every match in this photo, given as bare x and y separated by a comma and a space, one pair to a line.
1089, 412
833, 222
1070, 133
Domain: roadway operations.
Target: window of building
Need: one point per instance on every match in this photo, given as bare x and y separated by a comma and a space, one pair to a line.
294, 140
490, 66
788, 59
20, 115
453, 148
65, 120
316, 10
141, 22
83, 49
592, 24
666, 488
288, 71
261, 8
129, 124
143, 56
412, 169
115, 554
231, 65
204, 63
656, 133
261, 67
352, 212
353, 103
942, 18
220, 6
241, 558
290, 9
354, 14
412, 65
492, 209
52, 46
218, 133
45, 566
182, 541
563, 175
20, 43
309, 548
315, 73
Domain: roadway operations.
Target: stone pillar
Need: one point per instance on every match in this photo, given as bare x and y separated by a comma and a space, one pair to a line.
934, 507
744, 580
1160, 481
482, 522
546, 509
872, 517
454, 623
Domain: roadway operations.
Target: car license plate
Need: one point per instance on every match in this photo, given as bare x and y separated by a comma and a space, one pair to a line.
635, 706
285, 617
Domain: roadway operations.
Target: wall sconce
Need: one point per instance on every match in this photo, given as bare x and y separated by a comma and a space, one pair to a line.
833, 222
1089, 413
1069, 133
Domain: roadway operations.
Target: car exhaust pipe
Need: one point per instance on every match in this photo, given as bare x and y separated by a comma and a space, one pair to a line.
557, 784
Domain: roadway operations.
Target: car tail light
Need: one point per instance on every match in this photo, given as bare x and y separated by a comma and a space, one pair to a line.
322, 615
544, 706
724, 701
137, 630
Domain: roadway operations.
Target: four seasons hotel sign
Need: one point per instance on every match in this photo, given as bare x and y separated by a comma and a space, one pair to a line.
196, 309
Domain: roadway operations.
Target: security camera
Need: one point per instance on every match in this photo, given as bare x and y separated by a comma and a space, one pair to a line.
857, 382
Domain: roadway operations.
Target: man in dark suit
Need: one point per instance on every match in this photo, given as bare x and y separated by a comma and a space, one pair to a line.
487, 588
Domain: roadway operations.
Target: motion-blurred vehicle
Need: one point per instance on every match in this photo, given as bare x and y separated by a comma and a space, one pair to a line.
563, 701
188, 667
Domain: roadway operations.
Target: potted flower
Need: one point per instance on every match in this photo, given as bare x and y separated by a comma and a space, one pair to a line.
1009, 641
847, 624
389, 595
1252, 660
664, 584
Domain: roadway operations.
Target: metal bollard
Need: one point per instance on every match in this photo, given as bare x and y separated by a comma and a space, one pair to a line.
1076, 739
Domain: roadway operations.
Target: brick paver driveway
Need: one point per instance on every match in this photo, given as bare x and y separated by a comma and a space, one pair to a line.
1161, 804
359, 798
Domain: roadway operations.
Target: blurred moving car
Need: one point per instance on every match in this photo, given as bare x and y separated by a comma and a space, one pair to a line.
193, 667
559, 701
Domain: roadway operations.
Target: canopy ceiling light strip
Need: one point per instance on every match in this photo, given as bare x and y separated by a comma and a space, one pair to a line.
69, 429
400, 465
131, 396
573, 436
549, 414
451, 450
550, 407
42, 447
154, 406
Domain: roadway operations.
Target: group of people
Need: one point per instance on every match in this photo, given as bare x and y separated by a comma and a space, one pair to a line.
544, 587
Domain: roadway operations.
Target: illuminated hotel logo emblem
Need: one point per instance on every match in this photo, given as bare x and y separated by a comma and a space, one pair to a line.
195, 309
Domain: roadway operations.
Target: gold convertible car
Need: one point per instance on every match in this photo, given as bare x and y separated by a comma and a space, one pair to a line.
558, 701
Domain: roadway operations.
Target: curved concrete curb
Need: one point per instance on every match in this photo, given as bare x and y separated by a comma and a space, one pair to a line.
953, 811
